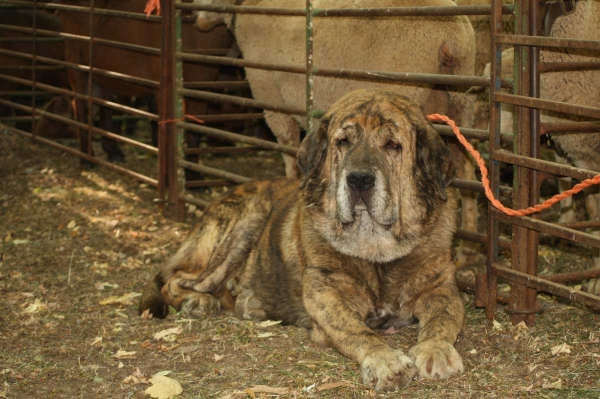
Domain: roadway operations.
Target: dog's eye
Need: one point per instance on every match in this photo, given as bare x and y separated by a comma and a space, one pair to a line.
392, 145
342, 142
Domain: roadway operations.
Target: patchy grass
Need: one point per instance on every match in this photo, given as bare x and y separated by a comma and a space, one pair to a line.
72, 239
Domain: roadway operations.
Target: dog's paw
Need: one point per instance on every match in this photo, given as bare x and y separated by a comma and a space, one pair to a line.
387, 370
200, 306
436, 359
249, 307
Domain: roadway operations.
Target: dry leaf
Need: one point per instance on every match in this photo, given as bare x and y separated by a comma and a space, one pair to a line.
553, 385
121, 354
267, 389
136, 378
265, 335
146, 315
126, 299
218, 358
250, 393
36, 307
163, 387
20, 242
168, 335
72, 224
97, 340
102, 286
269, 323
562, 348
497, 326
332, 385
188, 349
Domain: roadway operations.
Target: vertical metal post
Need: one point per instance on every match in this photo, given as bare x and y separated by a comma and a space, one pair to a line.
90, 81
176, 138
520, 249
494, 166
309, 66
33, 70
165, 106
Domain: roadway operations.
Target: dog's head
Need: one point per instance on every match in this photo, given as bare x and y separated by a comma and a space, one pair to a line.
376, 175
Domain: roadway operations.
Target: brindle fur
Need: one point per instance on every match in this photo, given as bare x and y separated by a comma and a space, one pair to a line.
320, 255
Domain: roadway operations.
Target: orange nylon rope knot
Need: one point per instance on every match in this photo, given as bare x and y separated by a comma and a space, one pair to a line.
486, 182
152, 5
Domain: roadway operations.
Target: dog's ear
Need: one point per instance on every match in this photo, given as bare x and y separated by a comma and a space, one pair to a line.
313, 149
434, 169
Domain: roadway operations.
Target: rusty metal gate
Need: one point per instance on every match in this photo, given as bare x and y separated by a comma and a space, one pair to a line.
173, 122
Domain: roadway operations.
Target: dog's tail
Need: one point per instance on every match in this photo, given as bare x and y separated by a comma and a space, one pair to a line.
152, 299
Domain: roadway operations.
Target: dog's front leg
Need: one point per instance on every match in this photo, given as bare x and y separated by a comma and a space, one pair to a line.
338, 307
441, 316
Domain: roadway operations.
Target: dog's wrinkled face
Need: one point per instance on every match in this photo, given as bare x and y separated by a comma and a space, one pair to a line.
375, 171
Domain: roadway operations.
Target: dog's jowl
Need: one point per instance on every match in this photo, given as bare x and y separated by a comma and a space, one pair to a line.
362, 242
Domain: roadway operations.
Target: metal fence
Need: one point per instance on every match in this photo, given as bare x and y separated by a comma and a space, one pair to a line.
173, 123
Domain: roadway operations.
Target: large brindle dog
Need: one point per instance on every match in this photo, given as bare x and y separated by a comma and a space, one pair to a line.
362, 242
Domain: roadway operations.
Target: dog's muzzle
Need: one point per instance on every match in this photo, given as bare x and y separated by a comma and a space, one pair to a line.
361, 180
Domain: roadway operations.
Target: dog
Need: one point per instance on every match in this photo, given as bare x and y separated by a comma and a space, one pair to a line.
363, 241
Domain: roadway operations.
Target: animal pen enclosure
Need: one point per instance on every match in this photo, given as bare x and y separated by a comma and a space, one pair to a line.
173, 120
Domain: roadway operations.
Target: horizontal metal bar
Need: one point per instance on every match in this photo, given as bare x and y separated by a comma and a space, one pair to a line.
99, 101
569, 127
568, 66
473, 185
80, 38
200, 203
373, 76
234, 137
231, 117
18, 119
206, 95
30, 67
29, 39
548, 105
222, 150
85, 68
549, 228
568, 277
408, 11
541, 284
476, 134
543, 166
18, 93
216, 85
85, 126
148, 180
582, 225
348, 12
208, 183
97, 11
482, 239
543, 41
213, 172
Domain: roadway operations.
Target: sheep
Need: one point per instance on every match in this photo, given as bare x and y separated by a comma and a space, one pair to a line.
399, 44
577, 87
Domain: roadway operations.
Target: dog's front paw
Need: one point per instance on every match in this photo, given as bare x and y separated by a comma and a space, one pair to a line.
387, 370
436, 359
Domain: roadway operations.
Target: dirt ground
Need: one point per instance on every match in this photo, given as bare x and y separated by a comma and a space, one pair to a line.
77, 247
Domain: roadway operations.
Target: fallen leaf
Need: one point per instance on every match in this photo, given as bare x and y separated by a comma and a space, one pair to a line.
218, 357
97, 340
331, 385
72, 224
269, 323
163, 387
102, 286
562, 348
146, 315
250, 393
188, 349
120, 365
267, 389
121, 354
553, 385
36, 307
122, 300
265, 335
20, 242
497, 326
136, 378
168, 335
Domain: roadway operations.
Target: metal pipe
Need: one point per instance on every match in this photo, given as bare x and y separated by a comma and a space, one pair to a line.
462, 234
544, 41
569, 127
476, 134
200, 203
243, 84
548, 105
222, 150
473, 185
541, 284
223, 134
214, 172
569, 277
569, 66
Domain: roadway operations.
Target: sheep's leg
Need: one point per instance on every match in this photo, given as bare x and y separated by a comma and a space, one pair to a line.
287, 132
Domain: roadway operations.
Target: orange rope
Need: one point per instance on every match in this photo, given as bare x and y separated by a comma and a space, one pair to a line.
151, 6
486, 182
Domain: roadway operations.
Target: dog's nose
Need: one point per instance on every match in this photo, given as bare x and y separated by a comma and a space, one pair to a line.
361, 180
